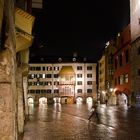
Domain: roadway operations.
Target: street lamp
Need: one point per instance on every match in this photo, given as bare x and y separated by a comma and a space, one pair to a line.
111, 90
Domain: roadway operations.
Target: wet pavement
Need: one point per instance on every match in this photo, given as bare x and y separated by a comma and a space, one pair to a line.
70, 122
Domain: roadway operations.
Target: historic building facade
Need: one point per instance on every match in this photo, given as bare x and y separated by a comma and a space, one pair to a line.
122, 68
66, 82
106, 72
135, 50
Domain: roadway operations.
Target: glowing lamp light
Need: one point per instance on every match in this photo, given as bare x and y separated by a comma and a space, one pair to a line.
111, 89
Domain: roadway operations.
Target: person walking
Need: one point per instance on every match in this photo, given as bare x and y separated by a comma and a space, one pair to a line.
106, 101
94, 111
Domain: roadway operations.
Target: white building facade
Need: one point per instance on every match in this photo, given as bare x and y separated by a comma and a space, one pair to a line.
64, 82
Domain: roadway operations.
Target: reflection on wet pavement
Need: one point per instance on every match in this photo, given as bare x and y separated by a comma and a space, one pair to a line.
69, 122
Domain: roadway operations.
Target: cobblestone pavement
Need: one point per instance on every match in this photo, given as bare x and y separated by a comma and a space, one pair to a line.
70, 122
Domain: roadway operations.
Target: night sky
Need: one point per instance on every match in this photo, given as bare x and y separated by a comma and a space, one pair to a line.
65, 27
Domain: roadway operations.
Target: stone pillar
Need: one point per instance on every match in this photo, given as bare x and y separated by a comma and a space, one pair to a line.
20, 100
25, 87
8, 96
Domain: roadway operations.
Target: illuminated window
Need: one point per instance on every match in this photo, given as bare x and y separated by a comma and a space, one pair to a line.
49, 83
43, 75
121, 79
49, 68
56, 68
32, 76
126, 78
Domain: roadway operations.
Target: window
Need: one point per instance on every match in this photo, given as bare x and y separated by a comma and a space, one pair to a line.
79, 67
38, 75
79, 82
32, 91
115, 81
89, 82
139, 51
56, 83
79, 75
31, 76
49, 68
56, 91
48, 76
43, 68
89, 75
56, 68
32, 68
121, 79
43, 91
89, 90
138, 72
110, 72
126, 78
49, 91
110, 59
49, 83
116, 63
43, 75
127, 56
89, 67
37, 91
55, 75
79, 90
120, 59
38, 68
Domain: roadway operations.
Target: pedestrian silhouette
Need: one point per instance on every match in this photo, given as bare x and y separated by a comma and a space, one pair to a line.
106, 102
94, 112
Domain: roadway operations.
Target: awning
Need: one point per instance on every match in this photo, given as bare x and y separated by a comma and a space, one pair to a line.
23, 41
24, 21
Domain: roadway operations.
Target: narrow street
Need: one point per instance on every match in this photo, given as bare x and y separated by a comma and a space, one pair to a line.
70, 122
